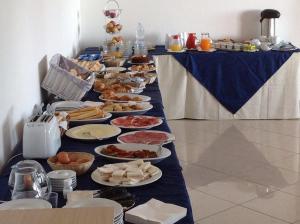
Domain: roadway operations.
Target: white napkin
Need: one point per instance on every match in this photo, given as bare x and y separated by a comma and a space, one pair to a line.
155, 212
79, 195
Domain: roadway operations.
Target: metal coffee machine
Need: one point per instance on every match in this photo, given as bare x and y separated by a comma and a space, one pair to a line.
268, 22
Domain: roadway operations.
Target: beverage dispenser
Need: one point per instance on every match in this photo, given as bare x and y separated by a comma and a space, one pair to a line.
268, 22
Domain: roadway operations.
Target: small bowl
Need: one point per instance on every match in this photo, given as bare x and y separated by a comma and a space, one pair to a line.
79, 168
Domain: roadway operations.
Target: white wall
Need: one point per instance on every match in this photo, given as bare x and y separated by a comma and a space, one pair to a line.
230, 18
31, 32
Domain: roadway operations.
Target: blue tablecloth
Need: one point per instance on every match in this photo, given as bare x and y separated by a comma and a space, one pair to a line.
231, 77
170, 188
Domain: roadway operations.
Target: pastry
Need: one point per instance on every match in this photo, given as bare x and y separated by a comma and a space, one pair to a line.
140, 59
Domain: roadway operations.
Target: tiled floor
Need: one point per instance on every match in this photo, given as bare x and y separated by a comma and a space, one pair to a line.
241, 172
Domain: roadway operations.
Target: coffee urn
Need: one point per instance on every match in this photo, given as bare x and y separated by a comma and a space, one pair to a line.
268, 23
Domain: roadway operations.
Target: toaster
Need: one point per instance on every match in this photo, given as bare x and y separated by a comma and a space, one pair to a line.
41, 137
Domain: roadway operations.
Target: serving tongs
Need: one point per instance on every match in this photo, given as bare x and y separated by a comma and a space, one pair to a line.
118, 194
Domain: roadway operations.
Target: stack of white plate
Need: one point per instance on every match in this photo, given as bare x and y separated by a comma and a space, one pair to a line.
100, 202
57, 178
26, 203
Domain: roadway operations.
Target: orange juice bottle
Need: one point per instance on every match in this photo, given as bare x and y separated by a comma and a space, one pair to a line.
205, 43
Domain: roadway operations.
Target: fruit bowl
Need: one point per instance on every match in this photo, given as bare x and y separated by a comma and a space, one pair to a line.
113, 27
80, 162
112, 13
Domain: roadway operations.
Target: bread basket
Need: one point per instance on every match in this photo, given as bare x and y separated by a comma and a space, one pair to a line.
79, 168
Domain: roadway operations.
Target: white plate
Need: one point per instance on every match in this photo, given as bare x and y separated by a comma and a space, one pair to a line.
97, 120
115, 69
160, 121
137, 90
151, 70
146, 106
169, 50
101, 131
134, 147
133, 91
73, 105
62, 174
143, 98
60, 182
210, 50
171, 137
25, 204
147, 63
97, 203
97, 178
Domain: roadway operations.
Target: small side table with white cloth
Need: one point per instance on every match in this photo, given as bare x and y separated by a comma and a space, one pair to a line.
184, 97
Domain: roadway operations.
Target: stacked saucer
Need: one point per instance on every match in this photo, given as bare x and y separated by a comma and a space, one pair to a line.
58, 177
100, 202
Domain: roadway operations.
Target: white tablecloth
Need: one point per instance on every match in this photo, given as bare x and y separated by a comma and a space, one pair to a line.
184, 97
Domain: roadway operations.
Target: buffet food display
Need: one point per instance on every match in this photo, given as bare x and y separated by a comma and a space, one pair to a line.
123, 97
130, 174
113, 150
146, 137
115, 86
131, 152
137, 122
80, 162
86, 113
92, 66
143, 68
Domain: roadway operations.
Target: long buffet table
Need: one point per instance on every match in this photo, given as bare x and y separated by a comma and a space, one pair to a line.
170, 188
229, 85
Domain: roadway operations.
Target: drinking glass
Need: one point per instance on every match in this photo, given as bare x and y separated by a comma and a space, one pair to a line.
26, 184
52, 198
41, 174
140, 49
128, 49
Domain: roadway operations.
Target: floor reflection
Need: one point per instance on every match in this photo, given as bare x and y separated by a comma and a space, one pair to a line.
230, 153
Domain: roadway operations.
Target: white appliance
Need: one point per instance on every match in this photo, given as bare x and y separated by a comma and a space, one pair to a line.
41, 137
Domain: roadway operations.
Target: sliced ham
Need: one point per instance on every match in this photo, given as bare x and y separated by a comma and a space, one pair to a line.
143, 137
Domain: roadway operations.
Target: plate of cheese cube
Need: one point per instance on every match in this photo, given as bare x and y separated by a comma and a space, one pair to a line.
131, 174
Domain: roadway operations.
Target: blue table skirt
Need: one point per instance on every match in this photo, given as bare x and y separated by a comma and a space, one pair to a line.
170, 188
231, 77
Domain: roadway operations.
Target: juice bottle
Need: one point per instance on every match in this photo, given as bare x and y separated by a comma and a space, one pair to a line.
191, 41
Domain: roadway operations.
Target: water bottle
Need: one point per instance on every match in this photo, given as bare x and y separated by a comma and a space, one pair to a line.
140, 34
139, 47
